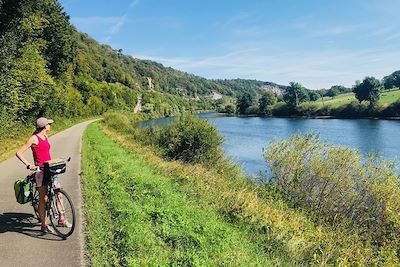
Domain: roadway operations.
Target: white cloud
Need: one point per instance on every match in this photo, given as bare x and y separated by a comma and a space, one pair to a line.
93, 22
120, 22
317, 69
134, 3
335, 30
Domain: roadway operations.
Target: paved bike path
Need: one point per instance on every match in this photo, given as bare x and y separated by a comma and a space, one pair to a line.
21, 242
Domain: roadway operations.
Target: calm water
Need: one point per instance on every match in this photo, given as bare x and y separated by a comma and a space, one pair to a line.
245, 137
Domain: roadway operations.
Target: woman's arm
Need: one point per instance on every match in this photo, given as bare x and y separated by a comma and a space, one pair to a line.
20, 152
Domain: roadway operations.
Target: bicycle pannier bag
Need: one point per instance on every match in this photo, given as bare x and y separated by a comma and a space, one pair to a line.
23, 192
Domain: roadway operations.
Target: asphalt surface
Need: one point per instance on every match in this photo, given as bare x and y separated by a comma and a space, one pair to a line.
21, 241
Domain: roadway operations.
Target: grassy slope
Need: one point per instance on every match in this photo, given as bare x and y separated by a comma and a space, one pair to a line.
137, 216
387, 97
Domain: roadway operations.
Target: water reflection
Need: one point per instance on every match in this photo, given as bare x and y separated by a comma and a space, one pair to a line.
245, 137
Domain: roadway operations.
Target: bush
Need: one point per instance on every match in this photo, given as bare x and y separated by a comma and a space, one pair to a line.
393, 110
337, 187
351, 110
117, 120
251, 110
282, 109
307, 109
189, 139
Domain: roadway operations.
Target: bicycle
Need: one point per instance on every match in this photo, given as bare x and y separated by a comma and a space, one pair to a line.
58, 202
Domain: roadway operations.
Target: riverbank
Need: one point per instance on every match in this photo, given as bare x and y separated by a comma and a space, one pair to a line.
129, 196
310, 117
144, 211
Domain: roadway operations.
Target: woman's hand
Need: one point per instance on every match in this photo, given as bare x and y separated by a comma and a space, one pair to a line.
33, 167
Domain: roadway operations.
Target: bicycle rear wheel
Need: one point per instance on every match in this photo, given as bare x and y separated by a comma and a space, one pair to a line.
62, 213
35, 203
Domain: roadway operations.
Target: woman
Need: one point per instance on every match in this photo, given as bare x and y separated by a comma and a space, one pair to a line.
39, 143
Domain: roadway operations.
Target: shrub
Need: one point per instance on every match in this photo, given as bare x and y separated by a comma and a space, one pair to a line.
351, 110
251, 110
307, 109
117, 120
337, 187
282, 109
189, 139
393, 109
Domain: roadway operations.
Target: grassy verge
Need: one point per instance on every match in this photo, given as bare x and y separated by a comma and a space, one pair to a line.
281, 234
139, 216
9, 145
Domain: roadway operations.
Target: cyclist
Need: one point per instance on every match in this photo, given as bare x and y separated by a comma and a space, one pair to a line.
39, 143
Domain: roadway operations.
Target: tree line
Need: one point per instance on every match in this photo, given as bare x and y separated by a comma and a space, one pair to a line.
294, 99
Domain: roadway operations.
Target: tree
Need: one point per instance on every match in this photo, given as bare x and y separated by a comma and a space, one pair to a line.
314, 96
391, 81
267, 100
31, 80
368, 90
332, 92
243, 102
295, 94
44, 20
230, 108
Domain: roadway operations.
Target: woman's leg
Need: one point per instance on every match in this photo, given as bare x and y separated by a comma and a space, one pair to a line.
59, 204
42, 203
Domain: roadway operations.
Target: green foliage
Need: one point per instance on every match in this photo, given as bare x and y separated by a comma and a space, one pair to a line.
392, 80
332, 92
188, 139
225, 105
338, 188
118, 120
229, 108
266, 102
240, 86
314, 96
393, 110
368, 90
138, 216
243, 102
31, 82
295, 94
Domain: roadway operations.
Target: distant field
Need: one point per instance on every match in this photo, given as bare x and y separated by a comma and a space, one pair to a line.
387, 97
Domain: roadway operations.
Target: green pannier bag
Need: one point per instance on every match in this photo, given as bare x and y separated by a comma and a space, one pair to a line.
23, 192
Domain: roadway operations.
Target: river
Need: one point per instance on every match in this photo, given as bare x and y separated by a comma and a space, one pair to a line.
246, 137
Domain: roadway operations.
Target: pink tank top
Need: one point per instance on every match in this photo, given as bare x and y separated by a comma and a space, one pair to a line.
41, 151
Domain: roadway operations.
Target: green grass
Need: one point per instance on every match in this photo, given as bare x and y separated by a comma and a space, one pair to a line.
138, 217
387, 97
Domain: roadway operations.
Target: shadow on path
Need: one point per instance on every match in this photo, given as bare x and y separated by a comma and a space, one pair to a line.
24, 223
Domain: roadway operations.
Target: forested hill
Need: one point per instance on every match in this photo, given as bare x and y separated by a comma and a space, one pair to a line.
103, 62
47, 67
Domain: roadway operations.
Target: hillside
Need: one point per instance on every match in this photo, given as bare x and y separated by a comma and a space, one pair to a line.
48, 67
387, 97
102, 62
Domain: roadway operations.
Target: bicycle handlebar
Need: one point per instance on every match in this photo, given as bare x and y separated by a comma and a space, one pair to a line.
40, 168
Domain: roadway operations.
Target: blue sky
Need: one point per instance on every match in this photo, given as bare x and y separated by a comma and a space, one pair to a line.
318, 43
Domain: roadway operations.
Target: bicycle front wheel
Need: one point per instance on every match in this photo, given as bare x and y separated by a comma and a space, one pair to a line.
62, 213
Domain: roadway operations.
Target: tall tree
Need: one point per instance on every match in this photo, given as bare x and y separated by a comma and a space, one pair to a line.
31, 81
295, 94
41, 19
267, 100
243, 102
368, 90
314, 96
392, 80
